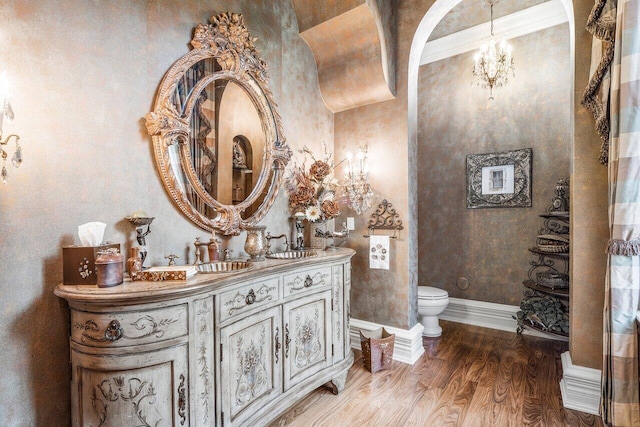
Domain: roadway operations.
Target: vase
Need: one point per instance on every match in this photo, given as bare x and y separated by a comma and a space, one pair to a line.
256, 243
317, 242
134, 263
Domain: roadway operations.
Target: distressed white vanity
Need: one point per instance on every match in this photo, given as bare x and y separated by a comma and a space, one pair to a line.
219, 349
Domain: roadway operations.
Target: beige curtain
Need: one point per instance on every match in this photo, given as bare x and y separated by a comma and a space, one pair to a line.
614, 97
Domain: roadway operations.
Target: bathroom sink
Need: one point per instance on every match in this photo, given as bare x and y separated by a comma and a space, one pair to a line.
224, 266
292, 254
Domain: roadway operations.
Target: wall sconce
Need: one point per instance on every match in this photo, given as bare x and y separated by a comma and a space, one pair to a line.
7, 111
357, 189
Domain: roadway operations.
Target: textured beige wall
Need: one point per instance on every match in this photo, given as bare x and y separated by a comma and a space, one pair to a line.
588, 215
456, 119
84, 74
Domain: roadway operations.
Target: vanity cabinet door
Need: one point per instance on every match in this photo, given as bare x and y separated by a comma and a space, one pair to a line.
307, 345
251, 365
143, 389
347, 309
338, 313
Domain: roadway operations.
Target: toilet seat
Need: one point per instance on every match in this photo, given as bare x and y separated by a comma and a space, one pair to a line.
431, 293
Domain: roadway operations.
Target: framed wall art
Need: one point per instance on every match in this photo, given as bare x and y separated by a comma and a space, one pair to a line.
499, 180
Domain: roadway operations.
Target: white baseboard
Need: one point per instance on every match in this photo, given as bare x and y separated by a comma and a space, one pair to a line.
480, 313
488, 315
407, 346
580, 386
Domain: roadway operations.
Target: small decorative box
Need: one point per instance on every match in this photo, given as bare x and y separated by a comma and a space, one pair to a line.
160, 274
79, 263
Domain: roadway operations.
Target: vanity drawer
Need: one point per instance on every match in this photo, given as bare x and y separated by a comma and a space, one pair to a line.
129, 328
247, 297
306, 280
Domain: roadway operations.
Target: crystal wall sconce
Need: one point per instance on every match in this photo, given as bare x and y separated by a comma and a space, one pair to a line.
357, 189
7, 112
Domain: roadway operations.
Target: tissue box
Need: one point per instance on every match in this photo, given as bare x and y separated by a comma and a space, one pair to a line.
78, 263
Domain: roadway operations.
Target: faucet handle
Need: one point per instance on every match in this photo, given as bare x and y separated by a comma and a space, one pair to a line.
172, 259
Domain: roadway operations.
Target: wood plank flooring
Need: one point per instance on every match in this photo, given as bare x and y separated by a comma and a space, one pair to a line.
470, 376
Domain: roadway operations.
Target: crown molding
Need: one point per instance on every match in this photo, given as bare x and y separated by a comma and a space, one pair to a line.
526, 21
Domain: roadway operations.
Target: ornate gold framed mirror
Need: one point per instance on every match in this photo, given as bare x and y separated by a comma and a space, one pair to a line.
217, 135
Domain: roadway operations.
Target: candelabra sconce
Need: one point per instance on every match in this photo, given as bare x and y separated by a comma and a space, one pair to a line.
356, 187
140, 219
7, 112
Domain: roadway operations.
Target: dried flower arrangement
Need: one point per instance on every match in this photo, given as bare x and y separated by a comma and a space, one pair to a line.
313, 192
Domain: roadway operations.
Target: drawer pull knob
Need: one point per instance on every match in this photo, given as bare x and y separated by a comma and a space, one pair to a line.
251, 297
113, 332
308, 282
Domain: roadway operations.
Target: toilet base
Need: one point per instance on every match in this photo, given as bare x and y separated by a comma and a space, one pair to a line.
431, 325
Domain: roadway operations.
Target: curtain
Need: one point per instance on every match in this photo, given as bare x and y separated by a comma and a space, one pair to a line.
620, 404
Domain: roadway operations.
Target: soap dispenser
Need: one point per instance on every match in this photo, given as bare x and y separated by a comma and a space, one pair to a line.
214, 248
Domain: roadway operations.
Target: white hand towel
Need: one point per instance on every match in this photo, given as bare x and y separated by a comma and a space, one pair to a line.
379, 252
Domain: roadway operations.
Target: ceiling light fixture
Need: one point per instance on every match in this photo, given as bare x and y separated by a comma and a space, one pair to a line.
493, 62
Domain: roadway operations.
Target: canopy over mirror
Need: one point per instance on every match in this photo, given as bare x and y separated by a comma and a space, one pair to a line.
217, 135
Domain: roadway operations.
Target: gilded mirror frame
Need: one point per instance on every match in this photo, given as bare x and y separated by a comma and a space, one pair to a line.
227, 40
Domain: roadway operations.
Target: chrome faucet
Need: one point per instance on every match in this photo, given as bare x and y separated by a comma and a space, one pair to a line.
269, 237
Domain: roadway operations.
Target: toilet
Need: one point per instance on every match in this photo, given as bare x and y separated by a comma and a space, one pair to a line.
431, 303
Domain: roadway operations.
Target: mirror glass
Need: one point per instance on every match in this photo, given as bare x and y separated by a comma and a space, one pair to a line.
217, 135
226, 141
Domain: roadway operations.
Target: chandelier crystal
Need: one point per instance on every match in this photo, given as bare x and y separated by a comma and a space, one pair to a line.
493, 62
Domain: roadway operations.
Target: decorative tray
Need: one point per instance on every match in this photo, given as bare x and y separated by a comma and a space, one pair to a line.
159, 274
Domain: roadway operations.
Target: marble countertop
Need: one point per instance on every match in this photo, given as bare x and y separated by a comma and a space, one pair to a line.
131, 292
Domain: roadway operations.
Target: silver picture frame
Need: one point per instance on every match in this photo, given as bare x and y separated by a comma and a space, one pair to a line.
499, 180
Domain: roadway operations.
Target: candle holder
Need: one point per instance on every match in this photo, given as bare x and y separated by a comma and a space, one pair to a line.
141, 235
356, 187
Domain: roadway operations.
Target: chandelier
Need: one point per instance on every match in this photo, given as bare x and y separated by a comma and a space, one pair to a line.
493, 62
357, 189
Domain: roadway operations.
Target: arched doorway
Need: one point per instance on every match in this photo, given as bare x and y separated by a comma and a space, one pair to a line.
433, 16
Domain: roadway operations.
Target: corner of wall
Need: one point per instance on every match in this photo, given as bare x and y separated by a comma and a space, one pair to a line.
580, 386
